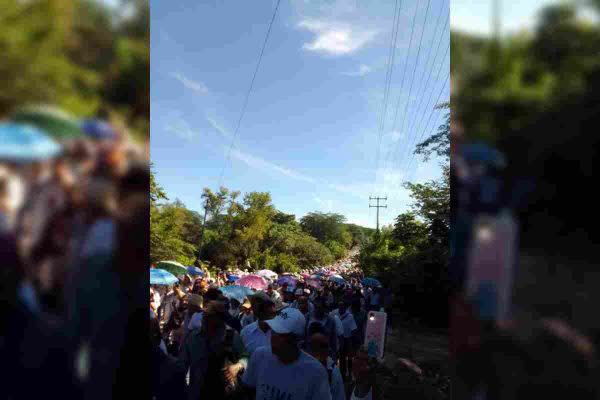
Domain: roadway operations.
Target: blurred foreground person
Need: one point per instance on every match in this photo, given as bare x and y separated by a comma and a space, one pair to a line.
213, 354
285, 371
364, 385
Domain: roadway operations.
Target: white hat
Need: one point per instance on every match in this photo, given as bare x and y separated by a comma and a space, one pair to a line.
288, 320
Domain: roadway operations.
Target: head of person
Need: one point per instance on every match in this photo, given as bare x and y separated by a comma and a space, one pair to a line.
287, 329
319, 347
214, 313
303, 304
342, 307
320, 308
194, 303
263, 306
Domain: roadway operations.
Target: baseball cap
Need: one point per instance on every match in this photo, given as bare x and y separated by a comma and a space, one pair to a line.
288, 320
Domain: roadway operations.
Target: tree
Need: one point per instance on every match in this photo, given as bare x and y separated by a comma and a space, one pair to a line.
439, 142
408, 231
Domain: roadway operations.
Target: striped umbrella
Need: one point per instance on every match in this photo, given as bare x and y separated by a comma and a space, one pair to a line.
162, 277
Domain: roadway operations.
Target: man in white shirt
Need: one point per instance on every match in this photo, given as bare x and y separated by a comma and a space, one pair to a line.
258, 333
284, 371
349, 326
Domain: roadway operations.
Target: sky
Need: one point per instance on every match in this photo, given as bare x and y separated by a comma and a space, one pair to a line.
312, 126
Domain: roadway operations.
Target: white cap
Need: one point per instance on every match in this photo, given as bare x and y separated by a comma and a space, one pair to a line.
288, 320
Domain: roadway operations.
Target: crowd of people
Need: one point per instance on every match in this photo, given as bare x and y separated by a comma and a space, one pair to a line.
73, 233
290, 341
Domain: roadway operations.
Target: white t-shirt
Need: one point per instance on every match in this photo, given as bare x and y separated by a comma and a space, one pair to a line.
348, 322
339, 327
304, 379
253, 337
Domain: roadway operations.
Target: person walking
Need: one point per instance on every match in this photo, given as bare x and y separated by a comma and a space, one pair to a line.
285, 371
320, 350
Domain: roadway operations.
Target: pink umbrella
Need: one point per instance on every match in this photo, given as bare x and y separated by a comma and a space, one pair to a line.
253, 282
305, 275
313, 282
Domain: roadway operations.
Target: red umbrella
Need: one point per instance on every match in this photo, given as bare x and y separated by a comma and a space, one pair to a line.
253, 282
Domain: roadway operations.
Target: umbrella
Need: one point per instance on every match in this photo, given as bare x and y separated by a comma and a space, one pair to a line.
53, 121
481, 153
19, 142
290, 280
253, 281
173, 267
236, 292
314, 283
195, 271
305, 275
267, 273
233, 278
371, 282
337, 279
162, 277
98, 129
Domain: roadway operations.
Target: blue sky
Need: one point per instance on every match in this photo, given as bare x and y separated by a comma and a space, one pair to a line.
310, 132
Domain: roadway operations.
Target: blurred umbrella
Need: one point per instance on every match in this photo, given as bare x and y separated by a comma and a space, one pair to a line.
290, 280
305, 275
21, 143
267, 273
253, 282
337, 279
318, 277
162, 277
371, 282
98, 129
236, 292
315, 283
195, 271
173, 267
233, 278
481, 153
53, 121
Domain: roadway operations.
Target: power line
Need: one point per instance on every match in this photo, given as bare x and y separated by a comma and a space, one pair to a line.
446, 80
377, 206
393, 149
404, 154
426, 86
388, 81
415, 68
245, 105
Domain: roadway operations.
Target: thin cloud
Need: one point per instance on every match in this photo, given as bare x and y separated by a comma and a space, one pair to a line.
260, 163
361, 71
181, 128
195, 86
336, 39
218, 127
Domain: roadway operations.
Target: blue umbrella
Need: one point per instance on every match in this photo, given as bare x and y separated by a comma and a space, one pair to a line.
337, 279
98, 129
236, 292
290, 280
195, 271
371, 282
20, 142
162, 277
233, 278
481, 153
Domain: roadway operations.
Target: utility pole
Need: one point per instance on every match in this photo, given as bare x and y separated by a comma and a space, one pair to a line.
377, 207
202, 232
